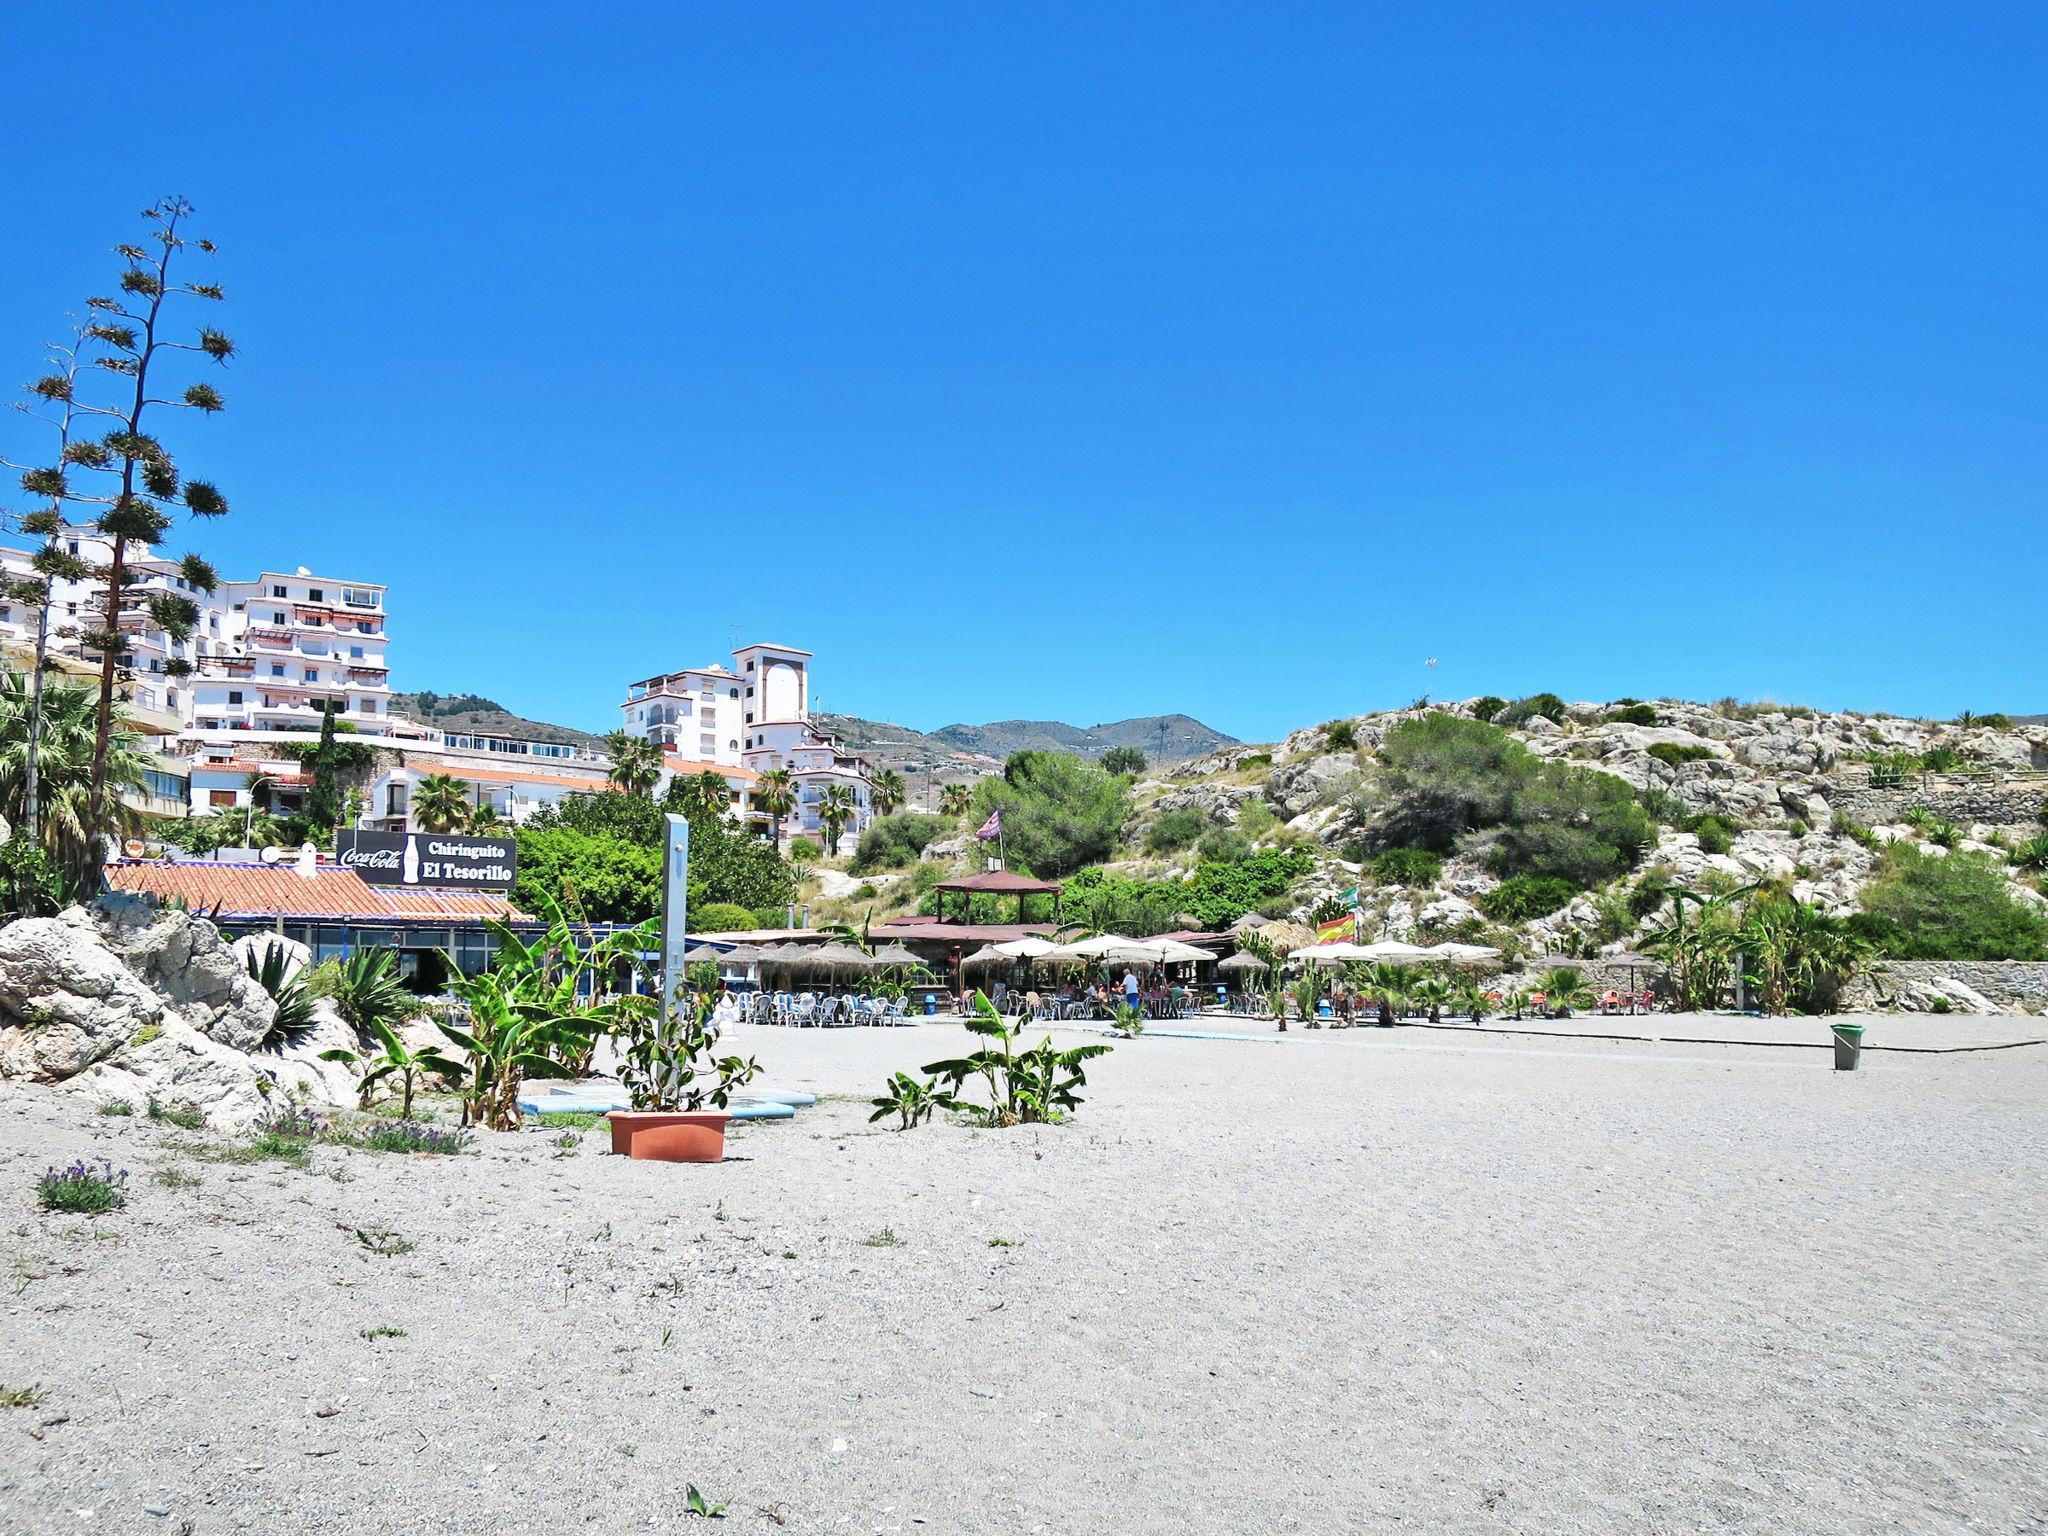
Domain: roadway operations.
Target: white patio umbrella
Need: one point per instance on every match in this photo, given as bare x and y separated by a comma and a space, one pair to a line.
1463, 954
1393, 951
1029, 947
1101, 946
1329, 954
1172, 951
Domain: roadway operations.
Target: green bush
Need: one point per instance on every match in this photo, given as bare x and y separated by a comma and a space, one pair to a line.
1678, 754
1523, 897
894, 841
1406, 866
1224, 845
1715, 835
1489, 706
1548, 705
1443, 776
1631, 713
1174, 830
1216, 894
1340, 736
1059, 813
1125, 762
1957, 906
1569, 824
721, 917
1255, 760
601, 852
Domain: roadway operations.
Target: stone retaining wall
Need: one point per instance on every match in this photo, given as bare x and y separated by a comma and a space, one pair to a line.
1999, 805
1969, 986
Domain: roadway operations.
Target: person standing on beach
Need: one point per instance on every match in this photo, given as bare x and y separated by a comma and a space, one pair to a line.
1131, 989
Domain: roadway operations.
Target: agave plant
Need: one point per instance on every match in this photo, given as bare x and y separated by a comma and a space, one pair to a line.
2032, 854
295, 988
1035, 1086
367, 992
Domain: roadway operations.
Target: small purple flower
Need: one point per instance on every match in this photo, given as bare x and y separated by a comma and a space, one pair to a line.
83, 1189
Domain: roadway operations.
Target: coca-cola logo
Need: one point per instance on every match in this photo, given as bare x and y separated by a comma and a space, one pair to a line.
371, 858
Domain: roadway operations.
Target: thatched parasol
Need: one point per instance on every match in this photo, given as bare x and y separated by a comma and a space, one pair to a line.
1241, 961
988, 954
896, 954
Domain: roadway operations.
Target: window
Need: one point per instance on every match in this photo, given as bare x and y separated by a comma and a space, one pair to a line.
359, 597
732, 693
277, 618
277, 669
220, 797
368, 706
749, 720
750, 690
165, 786
355, 653
279, 592
74, 546
234, 695
312, 674
209, 725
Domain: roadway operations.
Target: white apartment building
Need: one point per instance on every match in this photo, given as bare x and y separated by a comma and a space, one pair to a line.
277, 651
754, 717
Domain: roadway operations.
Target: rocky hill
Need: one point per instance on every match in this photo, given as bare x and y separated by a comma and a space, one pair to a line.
956, 752
1796, 796
472, 713
1162, 738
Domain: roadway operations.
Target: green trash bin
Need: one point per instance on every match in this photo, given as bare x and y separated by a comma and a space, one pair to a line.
1848, 1046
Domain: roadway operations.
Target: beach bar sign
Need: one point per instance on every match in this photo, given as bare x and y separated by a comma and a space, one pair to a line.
449, 861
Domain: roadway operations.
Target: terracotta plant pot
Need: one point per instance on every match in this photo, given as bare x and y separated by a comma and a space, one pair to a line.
691, 1136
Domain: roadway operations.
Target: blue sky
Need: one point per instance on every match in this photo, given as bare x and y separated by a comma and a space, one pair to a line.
1072, 361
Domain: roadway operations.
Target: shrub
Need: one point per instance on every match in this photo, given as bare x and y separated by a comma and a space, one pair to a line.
1059, 813
1845, 825
1443, 776
1922, 906
82, 1189
1939, 1004
1569, 824
1224, 845
1631, 713
1340, 736
1489, 706
117, 1107
184, 1117
1523, 897
1548, 705
1406, 866
1677, 754
1175, 830
1715, 835
1035, 1086
721, 917
803, 850
1256, 819
1125, 762
1255, 760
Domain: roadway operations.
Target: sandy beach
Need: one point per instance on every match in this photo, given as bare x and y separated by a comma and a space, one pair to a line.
1336, 1281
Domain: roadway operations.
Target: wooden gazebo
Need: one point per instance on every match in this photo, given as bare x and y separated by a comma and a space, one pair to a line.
994, 882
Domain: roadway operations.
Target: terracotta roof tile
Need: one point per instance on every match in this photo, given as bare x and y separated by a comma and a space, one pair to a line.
263, 890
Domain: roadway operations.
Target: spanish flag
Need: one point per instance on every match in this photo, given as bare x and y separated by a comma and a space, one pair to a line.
1335, 931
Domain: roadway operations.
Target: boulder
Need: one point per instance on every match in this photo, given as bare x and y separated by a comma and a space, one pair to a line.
127, 1001
1299, 787
66, 1000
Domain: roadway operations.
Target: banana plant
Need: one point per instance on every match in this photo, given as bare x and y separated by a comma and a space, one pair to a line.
1035, 1086
407, 1063
909, 1100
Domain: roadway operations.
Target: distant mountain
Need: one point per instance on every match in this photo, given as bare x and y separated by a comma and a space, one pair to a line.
969, 751
1162, 738
470, 713
2030, 719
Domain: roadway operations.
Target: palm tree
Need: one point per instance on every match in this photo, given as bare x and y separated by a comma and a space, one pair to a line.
836, 807
954, 799
775, 795
1564, 989
63, 768
440, 803
636, 762
483, 817
889, 791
